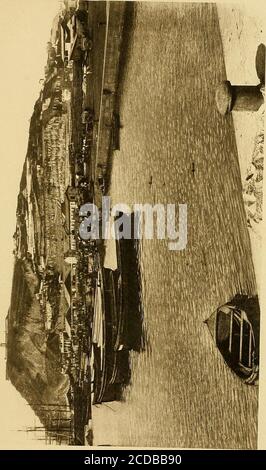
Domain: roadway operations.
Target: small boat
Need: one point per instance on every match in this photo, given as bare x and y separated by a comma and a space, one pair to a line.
236, 334
116, 132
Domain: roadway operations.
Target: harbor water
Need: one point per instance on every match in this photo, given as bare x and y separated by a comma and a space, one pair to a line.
176, 148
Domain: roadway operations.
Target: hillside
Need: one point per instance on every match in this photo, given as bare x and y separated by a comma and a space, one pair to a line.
33, 349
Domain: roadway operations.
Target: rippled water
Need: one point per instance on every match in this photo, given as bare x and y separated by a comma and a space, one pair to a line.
182, 394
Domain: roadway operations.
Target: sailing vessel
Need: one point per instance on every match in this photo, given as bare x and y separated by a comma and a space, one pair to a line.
110, 367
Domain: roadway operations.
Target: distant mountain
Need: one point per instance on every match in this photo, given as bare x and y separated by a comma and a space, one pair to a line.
33, 364
33, 349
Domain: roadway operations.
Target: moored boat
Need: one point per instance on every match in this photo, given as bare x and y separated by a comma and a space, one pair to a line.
235, 330
111, 367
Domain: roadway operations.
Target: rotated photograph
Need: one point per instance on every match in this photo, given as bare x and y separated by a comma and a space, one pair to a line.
132, 149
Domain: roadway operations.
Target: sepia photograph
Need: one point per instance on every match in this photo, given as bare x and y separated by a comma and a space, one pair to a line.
132, 234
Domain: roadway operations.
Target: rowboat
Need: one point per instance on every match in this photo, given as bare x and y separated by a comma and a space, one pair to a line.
234, 327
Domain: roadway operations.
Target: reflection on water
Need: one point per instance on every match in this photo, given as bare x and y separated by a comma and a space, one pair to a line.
121, 257
176, 148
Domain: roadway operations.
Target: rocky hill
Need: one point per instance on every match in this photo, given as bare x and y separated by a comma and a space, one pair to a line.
33, 359
33, 351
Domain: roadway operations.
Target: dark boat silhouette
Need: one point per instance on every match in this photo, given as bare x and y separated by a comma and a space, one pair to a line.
129, 326
117, 319
111, 367
234, 327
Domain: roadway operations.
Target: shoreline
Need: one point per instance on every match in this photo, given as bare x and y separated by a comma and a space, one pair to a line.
242, 33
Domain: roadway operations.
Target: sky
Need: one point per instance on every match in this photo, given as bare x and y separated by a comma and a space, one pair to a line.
24, 32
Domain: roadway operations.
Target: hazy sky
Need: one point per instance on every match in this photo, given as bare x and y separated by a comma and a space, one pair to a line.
24, 31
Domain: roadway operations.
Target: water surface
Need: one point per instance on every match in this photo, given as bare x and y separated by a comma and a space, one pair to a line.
182, 394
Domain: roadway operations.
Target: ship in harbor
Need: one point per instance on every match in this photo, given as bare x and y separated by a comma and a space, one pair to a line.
110, 367
117, 325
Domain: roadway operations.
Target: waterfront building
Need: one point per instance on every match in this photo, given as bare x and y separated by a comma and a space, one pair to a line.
70, 209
